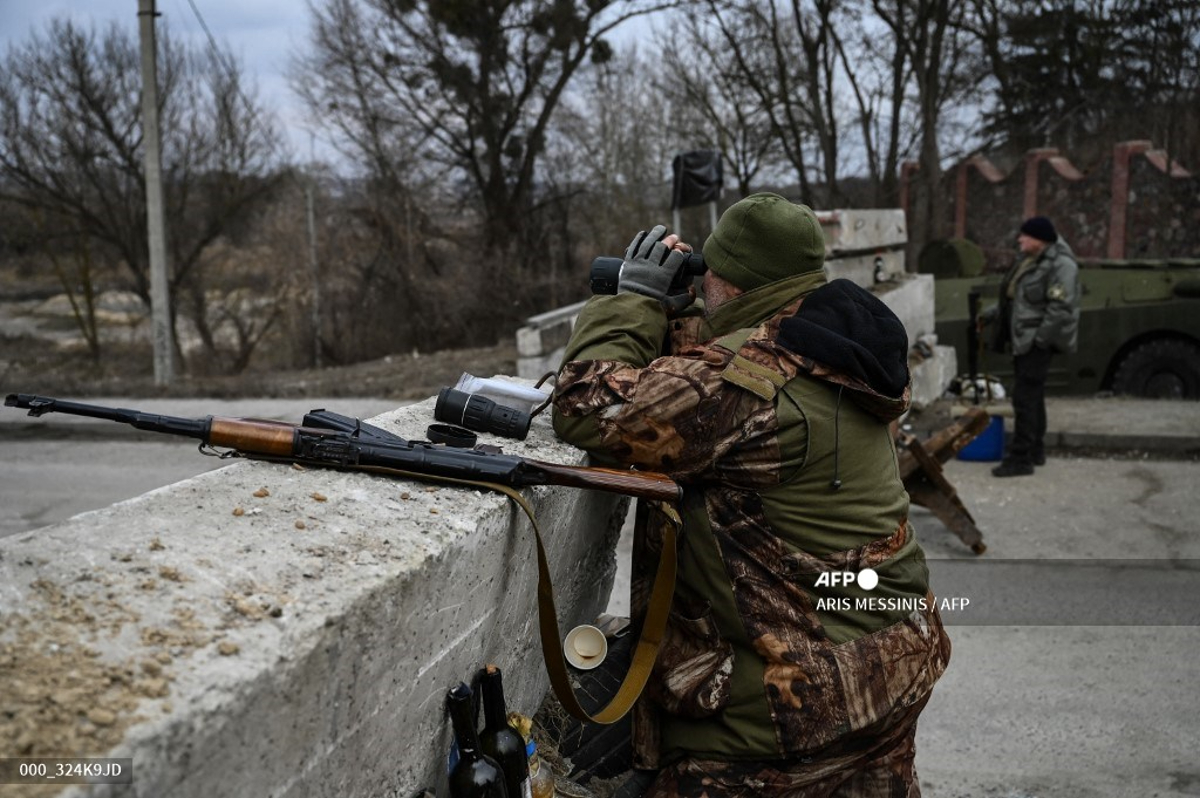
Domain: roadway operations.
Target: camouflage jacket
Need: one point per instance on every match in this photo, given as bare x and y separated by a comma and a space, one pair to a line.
789, 473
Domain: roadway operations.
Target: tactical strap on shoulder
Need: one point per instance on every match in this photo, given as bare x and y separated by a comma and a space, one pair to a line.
744, 373
734, 341
653, 628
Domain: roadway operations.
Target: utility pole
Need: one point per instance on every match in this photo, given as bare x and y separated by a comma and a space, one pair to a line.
160, 297
315, 272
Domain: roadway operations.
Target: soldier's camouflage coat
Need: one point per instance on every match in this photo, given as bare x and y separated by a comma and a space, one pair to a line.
773, 414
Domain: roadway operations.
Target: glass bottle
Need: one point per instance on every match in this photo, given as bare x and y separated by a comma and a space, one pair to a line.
541, 777
475, 774
498, 739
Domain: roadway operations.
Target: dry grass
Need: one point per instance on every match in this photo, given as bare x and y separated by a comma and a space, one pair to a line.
31, 366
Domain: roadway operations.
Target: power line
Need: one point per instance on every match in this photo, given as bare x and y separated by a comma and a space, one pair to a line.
212, 40
231, 71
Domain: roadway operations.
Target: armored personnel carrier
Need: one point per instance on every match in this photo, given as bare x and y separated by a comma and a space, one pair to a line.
1139, 328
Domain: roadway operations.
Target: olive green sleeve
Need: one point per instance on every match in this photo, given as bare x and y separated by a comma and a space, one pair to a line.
622, 327
626, 328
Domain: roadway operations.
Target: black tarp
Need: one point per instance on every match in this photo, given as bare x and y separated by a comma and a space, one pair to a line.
697, 178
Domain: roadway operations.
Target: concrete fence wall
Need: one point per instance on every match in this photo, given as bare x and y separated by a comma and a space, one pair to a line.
1136, 203
265, 630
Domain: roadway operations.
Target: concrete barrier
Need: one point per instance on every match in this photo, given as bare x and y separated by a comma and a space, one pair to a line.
910, 297
933, 366
857, 230
542, 341
264, 630
867, 269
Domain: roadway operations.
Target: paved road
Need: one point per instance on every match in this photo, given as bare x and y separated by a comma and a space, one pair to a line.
1073, 705
56, 466
44, 482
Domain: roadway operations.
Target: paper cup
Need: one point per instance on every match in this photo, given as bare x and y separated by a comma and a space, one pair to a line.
585, 647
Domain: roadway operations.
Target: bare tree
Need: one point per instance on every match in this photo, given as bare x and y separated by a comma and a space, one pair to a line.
610, 149
935, 47
814, 26
468, 85
785, 53
384, 223
76, 274
757, 46
877, 69
717, 106
70, 147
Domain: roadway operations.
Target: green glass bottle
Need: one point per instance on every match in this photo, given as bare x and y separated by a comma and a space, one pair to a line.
475, 774
499, 740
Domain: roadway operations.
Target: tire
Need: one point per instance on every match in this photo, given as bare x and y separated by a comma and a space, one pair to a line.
596, 751
1161, 368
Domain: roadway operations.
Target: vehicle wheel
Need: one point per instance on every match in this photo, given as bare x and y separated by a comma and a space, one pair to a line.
1162, 368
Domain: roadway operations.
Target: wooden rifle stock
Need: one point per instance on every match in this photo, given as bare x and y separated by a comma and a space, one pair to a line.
646, 485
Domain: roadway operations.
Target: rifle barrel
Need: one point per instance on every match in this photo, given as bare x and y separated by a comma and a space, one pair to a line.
159, 423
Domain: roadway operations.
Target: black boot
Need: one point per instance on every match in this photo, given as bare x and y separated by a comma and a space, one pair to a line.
1011, 469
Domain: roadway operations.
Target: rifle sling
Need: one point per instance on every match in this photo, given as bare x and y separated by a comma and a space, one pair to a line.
653, 628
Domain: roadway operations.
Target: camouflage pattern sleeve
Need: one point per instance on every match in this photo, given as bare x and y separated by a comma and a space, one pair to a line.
625, 328
676, 415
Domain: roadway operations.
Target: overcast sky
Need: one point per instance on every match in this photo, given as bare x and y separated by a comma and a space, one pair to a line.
261, 33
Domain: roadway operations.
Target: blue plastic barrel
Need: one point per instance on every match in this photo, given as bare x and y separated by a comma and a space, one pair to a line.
987, 446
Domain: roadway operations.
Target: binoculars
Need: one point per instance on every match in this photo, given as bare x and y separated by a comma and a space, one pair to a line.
606, 272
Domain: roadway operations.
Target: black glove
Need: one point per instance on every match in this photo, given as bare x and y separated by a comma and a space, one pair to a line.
651, 268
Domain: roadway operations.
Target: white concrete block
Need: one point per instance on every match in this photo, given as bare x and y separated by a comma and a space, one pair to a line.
542, 341
854, 229
863, 268
931, 375
529, 341
911, 298
534, 367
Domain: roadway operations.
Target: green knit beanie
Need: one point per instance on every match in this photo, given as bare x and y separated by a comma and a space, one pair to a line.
762, 239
